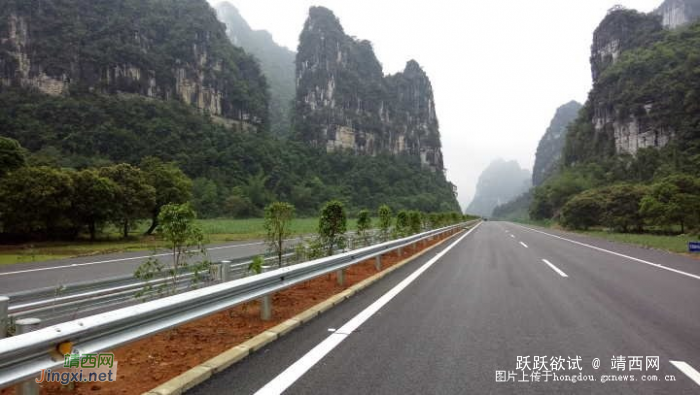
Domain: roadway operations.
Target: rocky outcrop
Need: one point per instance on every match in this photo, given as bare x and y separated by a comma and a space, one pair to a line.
630, 127
277, 64
498, 184
165, 50
344, 101
549, 150
677, 13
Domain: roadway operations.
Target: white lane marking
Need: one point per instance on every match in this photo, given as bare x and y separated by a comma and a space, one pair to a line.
523, 244
72, 265
556, 269
617, 254
513, 236
290, 375
688, 370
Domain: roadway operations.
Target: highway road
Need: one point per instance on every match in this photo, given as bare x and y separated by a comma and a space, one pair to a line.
32, 275
503, 309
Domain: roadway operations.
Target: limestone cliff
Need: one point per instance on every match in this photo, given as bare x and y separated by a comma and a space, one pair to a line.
677, 13
277, 63
641, 83
344, 100
550, 146
173, 49
499, 183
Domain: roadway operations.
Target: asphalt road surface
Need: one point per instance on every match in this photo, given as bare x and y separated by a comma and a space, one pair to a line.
502, 303
33, 275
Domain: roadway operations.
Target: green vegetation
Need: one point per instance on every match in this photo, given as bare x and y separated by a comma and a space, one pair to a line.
364, 224
678, 243
134, 47
185, 240
278, 217
332, 225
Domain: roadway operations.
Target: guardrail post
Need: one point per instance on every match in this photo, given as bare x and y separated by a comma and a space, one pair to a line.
340, 274
26, 325
225, 271
378, 262
266, 308
4, 318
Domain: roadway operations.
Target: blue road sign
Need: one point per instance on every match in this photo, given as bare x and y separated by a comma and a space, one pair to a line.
694, 246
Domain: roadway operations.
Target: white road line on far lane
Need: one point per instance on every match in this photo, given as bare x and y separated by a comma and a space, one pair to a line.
617, 254
523, 244
688, 370
41, 269
513, 236
290, 375
556, 269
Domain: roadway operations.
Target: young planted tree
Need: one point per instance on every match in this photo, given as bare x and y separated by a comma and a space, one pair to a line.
385, 215
364, 224
402, 224
414, 222
332, 225
185, 240
171, 185
278, 220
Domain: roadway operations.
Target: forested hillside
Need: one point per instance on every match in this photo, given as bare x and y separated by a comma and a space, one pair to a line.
82, 95
632, 157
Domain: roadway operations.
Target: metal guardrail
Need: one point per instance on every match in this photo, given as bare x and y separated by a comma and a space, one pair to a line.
24, 356
70, 301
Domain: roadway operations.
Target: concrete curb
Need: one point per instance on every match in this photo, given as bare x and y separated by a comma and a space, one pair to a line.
200, 373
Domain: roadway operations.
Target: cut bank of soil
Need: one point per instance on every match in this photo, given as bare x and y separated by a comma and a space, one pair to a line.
147, 363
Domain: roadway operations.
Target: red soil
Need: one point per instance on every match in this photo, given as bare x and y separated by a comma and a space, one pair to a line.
147, 363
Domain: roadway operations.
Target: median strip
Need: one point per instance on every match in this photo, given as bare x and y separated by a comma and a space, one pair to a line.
159, 358
290, 375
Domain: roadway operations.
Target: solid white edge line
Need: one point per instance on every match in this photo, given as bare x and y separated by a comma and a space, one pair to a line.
617, 254
523, 244
556, 269
290, 375
42, 269
688, 370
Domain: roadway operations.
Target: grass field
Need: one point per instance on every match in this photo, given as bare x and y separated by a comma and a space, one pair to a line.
217, 231
677, 244
672, 243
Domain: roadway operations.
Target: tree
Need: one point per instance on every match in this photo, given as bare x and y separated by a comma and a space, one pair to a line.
278, 220
172, 186
402, 224
582, 211
385, 215
93, 200
134, 198
621, 207
184, 239
673, 200
364, 224
332, 225
11, 156
36, 200
414, 221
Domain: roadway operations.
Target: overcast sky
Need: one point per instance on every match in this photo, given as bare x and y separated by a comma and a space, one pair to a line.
499, 69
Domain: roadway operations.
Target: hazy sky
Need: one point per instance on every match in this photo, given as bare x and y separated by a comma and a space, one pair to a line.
499, 69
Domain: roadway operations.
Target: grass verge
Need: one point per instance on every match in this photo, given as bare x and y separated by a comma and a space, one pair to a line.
217, 231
